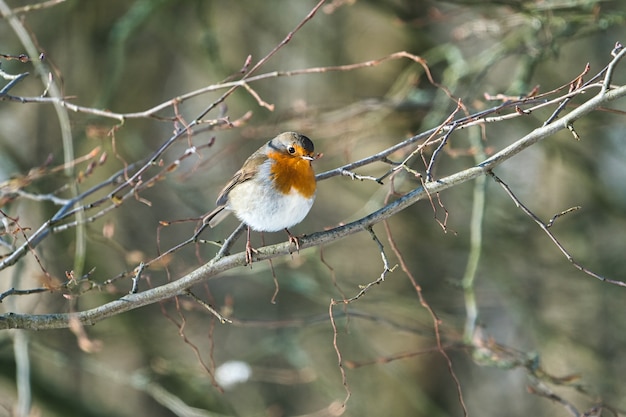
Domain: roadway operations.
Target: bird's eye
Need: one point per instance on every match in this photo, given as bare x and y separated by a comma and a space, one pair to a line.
291, 150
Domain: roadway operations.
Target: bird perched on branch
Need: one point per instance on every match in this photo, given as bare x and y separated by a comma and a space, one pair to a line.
273, 190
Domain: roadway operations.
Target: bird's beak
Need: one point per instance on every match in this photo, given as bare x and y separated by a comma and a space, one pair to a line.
312, 158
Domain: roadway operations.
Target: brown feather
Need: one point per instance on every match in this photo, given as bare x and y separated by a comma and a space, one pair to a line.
247, 171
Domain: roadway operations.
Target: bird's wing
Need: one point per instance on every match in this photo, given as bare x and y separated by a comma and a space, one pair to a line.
247, 171
216, 216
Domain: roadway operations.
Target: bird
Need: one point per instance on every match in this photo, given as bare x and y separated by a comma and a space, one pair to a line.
274, 189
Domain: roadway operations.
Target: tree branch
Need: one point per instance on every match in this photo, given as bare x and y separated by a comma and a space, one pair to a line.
220, 264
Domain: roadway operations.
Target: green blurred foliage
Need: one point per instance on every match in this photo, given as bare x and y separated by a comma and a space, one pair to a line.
130, 56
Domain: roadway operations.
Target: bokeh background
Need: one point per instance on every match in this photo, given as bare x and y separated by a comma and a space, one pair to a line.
534, 306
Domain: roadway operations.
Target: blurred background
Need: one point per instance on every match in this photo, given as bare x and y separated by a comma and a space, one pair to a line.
544, 323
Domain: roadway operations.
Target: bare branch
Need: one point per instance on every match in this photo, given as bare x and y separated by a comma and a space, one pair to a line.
220, 264
342, 370
545, 228
210, 308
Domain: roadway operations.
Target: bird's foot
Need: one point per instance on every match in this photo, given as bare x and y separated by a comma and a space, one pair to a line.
294, 239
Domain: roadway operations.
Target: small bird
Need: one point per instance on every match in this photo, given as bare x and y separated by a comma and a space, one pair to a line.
273, 190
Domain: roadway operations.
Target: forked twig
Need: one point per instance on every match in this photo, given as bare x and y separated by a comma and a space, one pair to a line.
209, 307
545, 227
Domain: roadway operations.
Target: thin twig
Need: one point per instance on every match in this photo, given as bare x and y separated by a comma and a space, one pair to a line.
218, 265
208, 306
546, 229
436, 321
563, 213
386, 270
358, 177
342, 370
136, 278
13, 291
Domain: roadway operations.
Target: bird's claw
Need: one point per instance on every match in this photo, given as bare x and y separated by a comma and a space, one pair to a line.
249, 253
294, 239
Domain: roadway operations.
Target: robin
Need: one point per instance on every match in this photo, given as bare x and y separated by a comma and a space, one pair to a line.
273, 190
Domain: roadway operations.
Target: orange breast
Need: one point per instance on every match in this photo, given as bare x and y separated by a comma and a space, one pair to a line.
292, 172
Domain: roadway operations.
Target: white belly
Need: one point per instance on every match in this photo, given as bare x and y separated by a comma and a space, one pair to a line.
268, 211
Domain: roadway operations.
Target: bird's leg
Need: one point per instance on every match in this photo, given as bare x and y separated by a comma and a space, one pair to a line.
293, 239
249, 249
